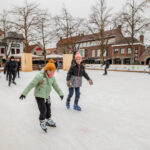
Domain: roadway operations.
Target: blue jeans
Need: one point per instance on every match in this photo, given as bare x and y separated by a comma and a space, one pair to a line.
77, 96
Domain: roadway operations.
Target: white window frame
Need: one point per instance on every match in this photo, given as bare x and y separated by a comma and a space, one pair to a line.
129, 51
93, 53
122, 51
98, 53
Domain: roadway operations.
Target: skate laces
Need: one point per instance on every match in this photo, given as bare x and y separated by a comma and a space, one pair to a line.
51, 122
43, 125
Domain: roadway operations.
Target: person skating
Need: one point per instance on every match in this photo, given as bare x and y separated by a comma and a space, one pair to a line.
10, 70
74, 81
43, 83
5, 69
18, 67
107, 64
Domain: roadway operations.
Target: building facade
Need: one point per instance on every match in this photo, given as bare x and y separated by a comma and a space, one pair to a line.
117, 50
13, 42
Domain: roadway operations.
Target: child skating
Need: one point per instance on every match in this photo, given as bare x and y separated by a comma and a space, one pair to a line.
43, 83
74, 81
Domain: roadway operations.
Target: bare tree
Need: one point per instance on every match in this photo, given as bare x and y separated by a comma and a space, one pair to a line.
67, 26
98, 22
133, 21
25, 21
6, 27
45, 32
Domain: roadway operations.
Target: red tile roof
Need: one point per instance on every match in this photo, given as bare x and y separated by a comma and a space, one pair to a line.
31, 47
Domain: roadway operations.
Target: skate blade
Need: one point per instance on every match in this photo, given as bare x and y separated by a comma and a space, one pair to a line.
54, 126
45, 130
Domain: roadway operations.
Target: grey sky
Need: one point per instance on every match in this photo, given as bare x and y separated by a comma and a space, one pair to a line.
77, 8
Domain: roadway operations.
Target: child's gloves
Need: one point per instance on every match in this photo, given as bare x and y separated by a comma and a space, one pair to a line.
62, 97
68, 83
22, 97
90, 82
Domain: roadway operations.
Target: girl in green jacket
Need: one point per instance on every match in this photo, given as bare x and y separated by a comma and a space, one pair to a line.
42, 83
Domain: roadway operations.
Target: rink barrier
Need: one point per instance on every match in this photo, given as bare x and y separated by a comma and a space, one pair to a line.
121, 68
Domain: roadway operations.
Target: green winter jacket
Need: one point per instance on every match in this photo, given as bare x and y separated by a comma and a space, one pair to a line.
42, 91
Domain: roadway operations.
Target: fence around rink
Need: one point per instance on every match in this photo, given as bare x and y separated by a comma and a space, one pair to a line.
123, 68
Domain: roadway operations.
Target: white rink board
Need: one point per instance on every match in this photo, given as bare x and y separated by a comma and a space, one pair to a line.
140, 68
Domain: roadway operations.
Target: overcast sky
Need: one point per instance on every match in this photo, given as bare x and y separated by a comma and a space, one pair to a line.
78, 8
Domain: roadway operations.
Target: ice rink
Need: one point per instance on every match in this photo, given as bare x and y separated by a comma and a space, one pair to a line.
115, 115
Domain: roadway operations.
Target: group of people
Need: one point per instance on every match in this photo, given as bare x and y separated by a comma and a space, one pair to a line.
45, 80
11, 69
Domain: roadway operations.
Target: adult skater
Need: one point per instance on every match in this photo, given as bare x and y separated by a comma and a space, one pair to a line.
11, 68
74, 81
149, 67
57, 65
43, 83
107, 64
5, 69
18, 68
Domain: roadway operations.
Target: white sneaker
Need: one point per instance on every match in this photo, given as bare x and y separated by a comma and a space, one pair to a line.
50, 123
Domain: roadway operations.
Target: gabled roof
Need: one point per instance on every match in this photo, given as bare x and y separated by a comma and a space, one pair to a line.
107, 34
89, 37
31, 47
127, 40
70, 40
14, 35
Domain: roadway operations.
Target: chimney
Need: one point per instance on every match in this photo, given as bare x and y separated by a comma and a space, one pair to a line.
142, 38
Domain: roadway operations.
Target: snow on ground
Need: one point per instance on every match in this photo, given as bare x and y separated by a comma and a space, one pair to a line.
115, 116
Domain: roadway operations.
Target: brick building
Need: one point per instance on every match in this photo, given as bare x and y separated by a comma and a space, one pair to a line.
117, 50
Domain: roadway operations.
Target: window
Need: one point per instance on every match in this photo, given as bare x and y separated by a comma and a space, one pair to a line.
116, 50
122, 51
98, 53
12, 51
106, 52
129, 51
136, 50
18, 51
2, 51
93, 53
34, 53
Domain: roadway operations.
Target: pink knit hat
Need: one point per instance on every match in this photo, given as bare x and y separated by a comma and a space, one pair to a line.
78, 55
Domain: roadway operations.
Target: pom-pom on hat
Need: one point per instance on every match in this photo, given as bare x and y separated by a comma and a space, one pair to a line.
51, 61
50, 66
78, 55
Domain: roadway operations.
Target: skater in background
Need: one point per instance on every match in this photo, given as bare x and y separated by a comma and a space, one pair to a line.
149, 66
107, 65
10, 70
43, 83
18, 67
57, 65
5, 69
74, 81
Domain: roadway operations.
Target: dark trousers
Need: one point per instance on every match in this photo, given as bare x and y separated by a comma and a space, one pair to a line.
11, 75
105, 71
7, 75
71, 92
44, 108
18, 72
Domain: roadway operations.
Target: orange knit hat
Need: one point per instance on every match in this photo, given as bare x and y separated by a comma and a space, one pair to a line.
51, 61
50, 66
